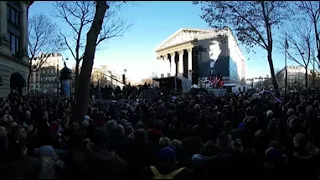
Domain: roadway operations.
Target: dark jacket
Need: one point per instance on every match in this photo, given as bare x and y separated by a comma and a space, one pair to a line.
103, 164
227, 161
304, 165
25, 167
140, 154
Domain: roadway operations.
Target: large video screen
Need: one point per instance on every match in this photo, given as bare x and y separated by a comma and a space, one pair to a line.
212, 62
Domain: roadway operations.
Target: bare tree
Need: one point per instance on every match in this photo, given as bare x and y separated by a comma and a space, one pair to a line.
79, 15
44, 40
88, 58
310, 11
299, 45
253, 21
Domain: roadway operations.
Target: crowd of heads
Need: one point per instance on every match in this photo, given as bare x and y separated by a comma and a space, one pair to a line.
186, 136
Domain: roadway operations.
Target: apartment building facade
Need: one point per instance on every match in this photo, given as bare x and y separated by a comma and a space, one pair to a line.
47, 78
296, 76
13, 46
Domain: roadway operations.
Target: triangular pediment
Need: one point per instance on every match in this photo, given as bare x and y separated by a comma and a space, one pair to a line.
181, 36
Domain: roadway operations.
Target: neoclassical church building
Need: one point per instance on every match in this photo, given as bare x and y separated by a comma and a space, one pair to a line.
13, 46
197, 54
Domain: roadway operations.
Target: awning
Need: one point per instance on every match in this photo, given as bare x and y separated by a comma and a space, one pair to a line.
17, 81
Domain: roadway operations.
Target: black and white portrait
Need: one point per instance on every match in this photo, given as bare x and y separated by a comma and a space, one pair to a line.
214, 52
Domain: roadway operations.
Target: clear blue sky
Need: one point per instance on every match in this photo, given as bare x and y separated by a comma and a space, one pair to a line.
153, 22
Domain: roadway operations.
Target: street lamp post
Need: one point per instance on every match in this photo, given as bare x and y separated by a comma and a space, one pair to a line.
57, 76
285, 62
313, 73
124, 76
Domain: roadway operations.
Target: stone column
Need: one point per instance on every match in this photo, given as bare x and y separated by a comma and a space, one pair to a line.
163, 67
4, 41
173, 65
24, 30
167, 66
180, 64
190, 64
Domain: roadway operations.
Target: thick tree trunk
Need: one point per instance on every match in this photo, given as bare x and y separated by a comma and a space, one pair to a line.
306, 77
28, 81
315, 23
82, 94
29, 75
273, 76
76, 78
269, 48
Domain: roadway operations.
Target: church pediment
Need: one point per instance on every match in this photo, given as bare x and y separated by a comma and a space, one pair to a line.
181, 36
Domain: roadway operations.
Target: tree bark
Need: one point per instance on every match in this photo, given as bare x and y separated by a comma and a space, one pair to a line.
269, 49
273, 76
28, 81
76, 78
82, 94
317, 39
29, 75
306, 76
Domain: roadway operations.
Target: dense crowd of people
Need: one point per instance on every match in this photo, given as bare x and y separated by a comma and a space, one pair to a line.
195, 135
108, 92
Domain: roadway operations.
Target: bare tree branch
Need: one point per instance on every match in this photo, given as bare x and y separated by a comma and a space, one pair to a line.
43, 36
82, 95
310, 11
67, 44
79, 15
300, 41
253, 22
43, 40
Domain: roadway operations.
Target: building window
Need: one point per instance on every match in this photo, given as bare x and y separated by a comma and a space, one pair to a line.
14, 44
13, 15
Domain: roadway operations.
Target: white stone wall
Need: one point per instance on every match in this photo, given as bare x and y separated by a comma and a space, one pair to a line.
237, 56
52, 61
9, 65
163, 67
296, 75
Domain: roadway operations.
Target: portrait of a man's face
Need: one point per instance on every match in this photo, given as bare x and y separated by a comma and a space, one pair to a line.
214, 50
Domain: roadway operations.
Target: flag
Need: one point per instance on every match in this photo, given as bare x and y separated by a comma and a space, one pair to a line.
214, 81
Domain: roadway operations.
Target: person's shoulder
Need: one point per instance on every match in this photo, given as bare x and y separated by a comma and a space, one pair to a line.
188, 170
32, 160
32, 166
194, 127
186, 173
119, 160
210, 126
145, 172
